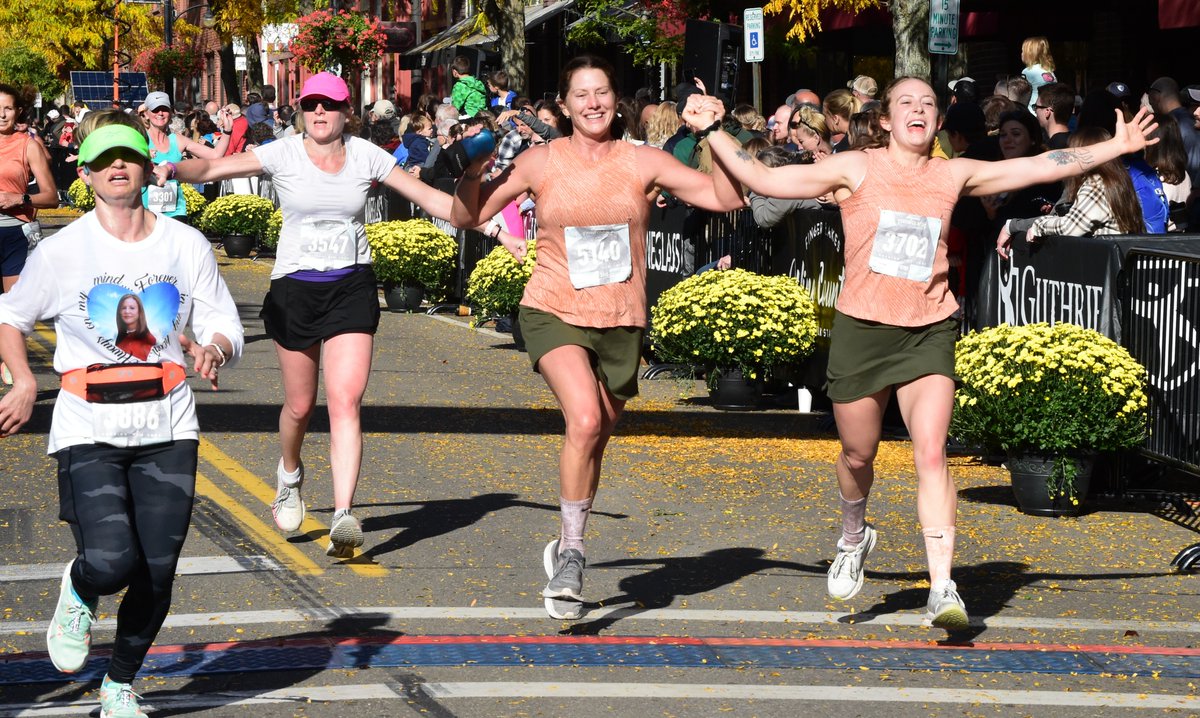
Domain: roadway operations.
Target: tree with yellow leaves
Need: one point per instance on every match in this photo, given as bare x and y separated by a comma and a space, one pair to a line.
70, 34
805, 15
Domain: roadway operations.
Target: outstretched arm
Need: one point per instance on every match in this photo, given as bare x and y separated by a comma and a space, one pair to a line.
790, 181
242, 164
476, 201
984, 178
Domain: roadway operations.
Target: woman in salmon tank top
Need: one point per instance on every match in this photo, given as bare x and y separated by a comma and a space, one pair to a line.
583, 313
895, 323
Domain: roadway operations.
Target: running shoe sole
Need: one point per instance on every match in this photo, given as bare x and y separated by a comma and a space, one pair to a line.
950, 618
344, 537
564, 609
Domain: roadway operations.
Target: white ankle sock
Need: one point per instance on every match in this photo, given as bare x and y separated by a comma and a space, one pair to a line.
289, 479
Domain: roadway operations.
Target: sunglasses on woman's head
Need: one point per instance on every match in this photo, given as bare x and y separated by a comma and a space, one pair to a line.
309, 104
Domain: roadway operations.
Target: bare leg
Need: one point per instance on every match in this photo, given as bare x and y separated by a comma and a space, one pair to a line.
347, 368
299, 370
860, 427
591, 414
926, 404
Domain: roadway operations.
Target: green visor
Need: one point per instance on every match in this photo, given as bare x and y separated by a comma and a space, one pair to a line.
105, 138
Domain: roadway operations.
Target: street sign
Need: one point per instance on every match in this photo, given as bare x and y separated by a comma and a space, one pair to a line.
943, 27
752, 30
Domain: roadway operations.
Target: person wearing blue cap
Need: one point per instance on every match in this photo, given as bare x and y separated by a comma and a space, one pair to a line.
124, 430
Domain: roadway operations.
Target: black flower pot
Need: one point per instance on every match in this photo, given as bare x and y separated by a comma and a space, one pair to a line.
403, 297
1030, 470
238, 245
733, 392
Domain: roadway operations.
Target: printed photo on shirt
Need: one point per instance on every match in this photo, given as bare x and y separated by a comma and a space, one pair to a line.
133, 324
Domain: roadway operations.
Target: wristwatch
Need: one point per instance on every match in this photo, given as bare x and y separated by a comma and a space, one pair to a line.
25, 198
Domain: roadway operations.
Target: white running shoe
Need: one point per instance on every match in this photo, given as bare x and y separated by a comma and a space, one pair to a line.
288, 506
345, 536
845, 578
945, 608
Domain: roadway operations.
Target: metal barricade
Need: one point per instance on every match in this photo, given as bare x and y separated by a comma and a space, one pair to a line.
735, 234
1162, 331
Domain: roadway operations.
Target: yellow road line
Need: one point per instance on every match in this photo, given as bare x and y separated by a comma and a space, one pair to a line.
40, 343
360, 564
287, 554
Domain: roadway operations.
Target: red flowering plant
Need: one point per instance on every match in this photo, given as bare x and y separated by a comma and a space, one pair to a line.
326, 39
178, 62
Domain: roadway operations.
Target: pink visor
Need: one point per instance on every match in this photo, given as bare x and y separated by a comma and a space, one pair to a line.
325, 84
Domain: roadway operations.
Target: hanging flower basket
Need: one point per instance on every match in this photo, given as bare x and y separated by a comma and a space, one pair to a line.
327, 40
177, 62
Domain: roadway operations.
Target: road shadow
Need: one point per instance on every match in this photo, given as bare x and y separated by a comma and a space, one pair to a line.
986, 588
436, 518
231, 673
263, 418
675, 577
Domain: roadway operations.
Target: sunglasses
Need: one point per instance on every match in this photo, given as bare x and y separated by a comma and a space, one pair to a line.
309, 104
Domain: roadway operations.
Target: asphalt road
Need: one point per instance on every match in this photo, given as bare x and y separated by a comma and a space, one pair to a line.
707, 555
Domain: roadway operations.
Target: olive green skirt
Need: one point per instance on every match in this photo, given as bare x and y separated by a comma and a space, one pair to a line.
865, 357
616, 352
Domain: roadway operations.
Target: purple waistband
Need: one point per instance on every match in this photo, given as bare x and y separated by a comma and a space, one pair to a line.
331, 275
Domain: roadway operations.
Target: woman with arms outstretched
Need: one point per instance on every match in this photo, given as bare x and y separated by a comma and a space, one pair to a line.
895, 327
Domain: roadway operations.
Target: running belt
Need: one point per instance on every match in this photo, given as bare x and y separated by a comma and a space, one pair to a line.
123, 383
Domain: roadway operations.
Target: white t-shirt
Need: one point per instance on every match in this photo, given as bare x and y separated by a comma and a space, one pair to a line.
82, 275
323, 213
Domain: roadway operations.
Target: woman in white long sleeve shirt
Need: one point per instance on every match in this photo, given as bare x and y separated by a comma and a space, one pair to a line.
124, 429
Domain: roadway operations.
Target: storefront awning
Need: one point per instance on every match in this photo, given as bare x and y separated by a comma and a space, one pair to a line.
461, 33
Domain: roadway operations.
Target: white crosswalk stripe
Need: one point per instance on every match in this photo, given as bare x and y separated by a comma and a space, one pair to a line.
188, 566
688, 691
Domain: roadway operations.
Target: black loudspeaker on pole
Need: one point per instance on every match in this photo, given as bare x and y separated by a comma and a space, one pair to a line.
713, 52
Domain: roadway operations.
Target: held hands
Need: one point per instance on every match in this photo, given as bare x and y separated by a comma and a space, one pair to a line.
206, 358
701, 111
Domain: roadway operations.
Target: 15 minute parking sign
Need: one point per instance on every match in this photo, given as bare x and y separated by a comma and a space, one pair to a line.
752, 31
943, 27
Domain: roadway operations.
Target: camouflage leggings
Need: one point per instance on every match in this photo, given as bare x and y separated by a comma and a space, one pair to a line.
129, 509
